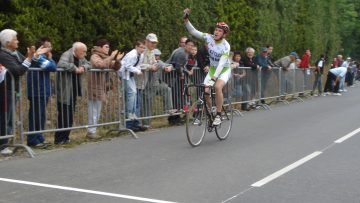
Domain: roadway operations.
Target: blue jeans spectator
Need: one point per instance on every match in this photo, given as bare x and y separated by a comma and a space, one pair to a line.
37, 118
131, 98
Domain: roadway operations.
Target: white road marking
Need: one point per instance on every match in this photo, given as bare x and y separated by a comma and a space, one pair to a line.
286, 169
349, 135
83, 190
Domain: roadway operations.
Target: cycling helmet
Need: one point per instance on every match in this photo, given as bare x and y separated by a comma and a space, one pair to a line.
223, 26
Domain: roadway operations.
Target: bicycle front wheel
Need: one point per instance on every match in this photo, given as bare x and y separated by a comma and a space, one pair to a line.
223, 130
196, 124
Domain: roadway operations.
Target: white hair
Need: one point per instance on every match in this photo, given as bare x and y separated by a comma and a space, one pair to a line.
250, 49
6, 36
77, 45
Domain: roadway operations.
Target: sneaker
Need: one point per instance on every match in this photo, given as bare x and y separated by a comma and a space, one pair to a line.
6, 151
40, 146
139, 128
341, 90
132, 116
337, 94
171, 111
92, 136
196, 122
217, 120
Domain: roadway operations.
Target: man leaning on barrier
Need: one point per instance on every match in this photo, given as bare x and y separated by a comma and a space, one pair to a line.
148, 83
16, 65
175, 80
161, 87
97, 81
130, 65
73, 64
266, 70
287, 64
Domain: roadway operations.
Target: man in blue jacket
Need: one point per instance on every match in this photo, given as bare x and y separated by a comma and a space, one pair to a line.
39, 91
262, 60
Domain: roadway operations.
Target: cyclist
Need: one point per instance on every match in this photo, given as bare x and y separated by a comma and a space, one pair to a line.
219, 50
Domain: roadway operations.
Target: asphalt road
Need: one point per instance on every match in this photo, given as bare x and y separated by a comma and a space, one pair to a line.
161, 166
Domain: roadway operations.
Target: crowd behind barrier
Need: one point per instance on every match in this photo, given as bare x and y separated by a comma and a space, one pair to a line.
42, 116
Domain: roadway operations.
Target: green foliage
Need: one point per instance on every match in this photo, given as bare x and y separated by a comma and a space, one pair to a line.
324, 26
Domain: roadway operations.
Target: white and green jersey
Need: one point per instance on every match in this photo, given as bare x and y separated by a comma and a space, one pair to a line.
218, 51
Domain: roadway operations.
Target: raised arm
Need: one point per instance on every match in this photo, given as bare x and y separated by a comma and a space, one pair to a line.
194, 32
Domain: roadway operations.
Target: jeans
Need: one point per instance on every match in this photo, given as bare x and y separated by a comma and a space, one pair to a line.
342, 83
317, 83
132, 99
94, 112
37, 118
130, 96
329, 85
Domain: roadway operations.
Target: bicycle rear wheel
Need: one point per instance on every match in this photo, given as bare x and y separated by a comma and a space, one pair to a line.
223, 130
196, 124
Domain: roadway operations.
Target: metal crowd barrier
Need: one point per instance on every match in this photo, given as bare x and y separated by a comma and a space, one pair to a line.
53, 105
49, 102
10, 114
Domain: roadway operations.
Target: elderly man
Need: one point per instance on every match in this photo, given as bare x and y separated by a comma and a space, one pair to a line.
17, 65
74, 64
149, 66
287, 78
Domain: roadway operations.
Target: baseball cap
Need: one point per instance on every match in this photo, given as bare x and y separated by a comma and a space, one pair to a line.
157, 52
152, 37
264, 49
294, 54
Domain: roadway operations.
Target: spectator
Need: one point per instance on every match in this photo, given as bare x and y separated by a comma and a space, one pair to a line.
97, 81
339, 60
319, 70
191, 62
288, 65
16, 64
334, 63
357, 70
250, 62
39, 91
238, 75
334, 76
160, 87
178, 60
305, 66
182, 44
69, 87
130, 65
346, 64
145, 83
353, 73
262, 60
203, 63
202, 57
269, 56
